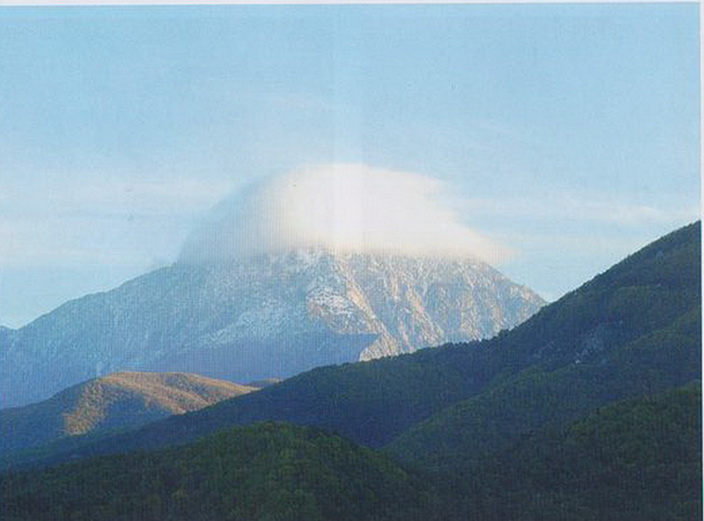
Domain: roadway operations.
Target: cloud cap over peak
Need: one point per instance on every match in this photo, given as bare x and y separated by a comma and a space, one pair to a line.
340, 207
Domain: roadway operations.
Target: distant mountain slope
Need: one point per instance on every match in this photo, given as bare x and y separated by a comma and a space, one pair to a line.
639, 459
261, 317
629, 332
115, 401
261, 472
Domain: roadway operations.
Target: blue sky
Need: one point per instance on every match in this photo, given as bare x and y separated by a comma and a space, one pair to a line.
566, 132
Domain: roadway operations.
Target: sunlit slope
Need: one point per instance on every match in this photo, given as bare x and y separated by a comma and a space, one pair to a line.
116, 401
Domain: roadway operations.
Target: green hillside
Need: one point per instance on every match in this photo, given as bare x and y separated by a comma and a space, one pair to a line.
638, 459
262, 472
539, 397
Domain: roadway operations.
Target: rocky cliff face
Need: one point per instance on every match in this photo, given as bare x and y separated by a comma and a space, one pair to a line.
266, 316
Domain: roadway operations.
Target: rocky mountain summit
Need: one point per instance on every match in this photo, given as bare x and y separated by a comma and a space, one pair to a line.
272, 315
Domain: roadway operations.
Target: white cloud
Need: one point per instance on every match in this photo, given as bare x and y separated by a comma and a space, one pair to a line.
341, 207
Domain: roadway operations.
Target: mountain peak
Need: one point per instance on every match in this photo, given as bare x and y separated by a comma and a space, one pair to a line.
263, 316
458, 404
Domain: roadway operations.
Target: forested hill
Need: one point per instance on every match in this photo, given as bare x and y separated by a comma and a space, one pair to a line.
637, 459
631, 332
636, 326
632, 460
263, 472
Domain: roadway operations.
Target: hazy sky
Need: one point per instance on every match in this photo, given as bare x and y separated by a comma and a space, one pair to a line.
568, 134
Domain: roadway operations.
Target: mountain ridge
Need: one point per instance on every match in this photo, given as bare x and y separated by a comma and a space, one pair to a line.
631, 331
274, 316
642, 317
633, 459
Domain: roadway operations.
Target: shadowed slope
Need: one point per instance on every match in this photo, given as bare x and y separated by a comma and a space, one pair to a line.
638, 459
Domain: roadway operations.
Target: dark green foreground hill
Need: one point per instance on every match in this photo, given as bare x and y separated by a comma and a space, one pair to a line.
631, 460
263, 472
